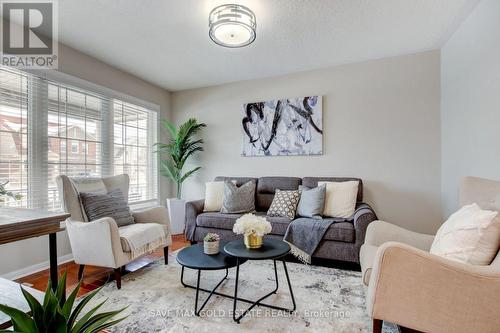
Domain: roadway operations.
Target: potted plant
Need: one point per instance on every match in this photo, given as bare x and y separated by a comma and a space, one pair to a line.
211, 243
4, 194
59, 314
181, 146
253, 228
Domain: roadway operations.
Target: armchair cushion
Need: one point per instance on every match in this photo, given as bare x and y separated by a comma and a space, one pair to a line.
470, 235
140, 238
112, 204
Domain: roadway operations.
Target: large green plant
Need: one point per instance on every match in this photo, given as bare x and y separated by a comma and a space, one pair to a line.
181, 146
57, 314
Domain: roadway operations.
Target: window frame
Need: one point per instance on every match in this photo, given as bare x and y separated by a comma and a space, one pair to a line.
45, 77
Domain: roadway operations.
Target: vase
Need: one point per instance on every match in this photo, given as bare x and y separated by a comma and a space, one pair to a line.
177, 215
253, 241
211, 247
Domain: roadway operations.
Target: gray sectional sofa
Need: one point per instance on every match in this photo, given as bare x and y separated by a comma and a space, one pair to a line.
342, 240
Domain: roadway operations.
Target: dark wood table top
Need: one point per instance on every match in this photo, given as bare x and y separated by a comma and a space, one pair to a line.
22, 223
270, 249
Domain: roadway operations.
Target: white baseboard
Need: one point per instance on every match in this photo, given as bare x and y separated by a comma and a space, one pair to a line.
36, 268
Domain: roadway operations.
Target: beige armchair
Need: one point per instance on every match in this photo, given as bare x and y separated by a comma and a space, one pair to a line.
102, 242
410, 287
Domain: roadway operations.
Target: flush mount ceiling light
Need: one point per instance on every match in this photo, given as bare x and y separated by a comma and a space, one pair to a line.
232, 25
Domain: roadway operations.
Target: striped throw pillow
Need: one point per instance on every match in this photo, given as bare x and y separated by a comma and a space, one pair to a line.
98, 205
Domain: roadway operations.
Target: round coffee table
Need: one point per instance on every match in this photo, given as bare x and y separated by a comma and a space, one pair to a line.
193, 257
270, 249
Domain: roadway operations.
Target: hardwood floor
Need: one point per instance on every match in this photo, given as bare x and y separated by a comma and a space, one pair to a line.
94, 277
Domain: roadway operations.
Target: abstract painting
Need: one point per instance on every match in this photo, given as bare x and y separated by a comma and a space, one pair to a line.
292, 126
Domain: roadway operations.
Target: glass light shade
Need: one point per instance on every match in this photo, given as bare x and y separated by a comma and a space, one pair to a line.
232, 25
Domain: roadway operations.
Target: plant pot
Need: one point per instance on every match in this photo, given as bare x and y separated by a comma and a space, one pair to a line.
177, 215
211, 247
253, 241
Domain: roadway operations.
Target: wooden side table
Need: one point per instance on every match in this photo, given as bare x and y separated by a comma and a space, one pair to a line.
21, 223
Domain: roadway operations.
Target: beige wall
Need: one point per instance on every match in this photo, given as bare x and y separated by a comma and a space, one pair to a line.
470, 106
22, 255
381, 123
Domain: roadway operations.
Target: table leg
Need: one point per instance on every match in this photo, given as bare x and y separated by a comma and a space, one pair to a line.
259, 301
53, 260
197, 311
236, 290
197, 293
289, 285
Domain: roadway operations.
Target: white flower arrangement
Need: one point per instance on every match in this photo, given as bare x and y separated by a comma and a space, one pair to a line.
252, 224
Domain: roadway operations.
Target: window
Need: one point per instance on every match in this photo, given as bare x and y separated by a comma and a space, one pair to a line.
74, 147
74, 120
87, 135
14, 136
134, 130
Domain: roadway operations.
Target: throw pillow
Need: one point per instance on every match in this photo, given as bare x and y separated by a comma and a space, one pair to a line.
238, 199
98, 205
471, 235
312, 201
340, 199
284, 204
214, 196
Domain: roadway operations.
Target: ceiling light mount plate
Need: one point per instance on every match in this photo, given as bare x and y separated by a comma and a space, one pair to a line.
232, 25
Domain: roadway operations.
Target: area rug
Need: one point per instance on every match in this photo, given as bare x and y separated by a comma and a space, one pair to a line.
328, 300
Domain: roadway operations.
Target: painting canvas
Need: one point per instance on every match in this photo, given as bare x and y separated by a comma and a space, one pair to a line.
292, 126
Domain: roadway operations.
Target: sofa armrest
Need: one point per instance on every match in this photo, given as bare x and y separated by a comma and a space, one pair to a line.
193, 209
95, 243
363, 216
425, 292
380, 232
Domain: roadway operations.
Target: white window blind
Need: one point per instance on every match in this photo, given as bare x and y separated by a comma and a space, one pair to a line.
134, 131
50, 128
14, 136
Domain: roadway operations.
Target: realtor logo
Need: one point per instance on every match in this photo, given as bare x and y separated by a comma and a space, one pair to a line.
29, 34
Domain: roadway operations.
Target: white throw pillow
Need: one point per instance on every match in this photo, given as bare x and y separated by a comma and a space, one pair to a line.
470, 235
340, 199
214, 196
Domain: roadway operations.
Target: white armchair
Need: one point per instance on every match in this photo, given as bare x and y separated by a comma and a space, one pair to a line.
101, 242
413, 288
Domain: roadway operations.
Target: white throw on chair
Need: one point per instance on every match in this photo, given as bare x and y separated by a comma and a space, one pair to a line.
101, 242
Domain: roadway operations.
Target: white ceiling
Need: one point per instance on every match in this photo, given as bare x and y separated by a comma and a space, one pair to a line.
166, 41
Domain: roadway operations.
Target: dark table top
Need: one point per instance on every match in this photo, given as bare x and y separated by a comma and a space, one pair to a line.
270, 249
194, 257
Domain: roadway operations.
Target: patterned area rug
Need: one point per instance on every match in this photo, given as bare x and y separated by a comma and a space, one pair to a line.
328, 300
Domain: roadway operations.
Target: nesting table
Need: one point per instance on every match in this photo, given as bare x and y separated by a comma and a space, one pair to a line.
234, 254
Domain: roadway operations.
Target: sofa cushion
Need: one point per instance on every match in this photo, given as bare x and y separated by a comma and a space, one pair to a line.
238, 199
340, 198
226, 221
312, 201
216, 220
284, 204
340, 231
313, 182
266, 187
